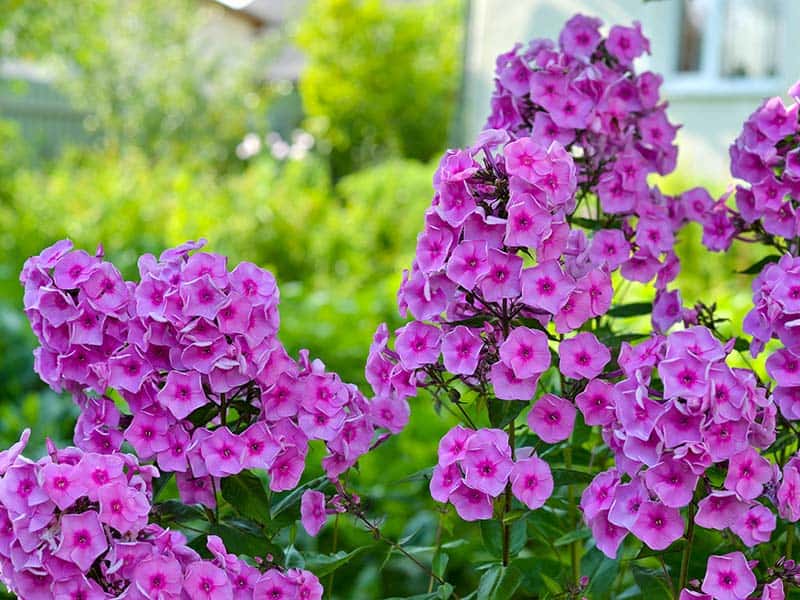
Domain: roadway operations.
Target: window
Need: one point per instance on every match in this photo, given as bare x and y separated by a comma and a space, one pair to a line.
728, 42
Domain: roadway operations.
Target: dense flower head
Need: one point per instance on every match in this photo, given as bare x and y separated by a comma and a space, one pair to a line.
192, 348
475, 466
77, 525
675, 411
527, 231
766, 158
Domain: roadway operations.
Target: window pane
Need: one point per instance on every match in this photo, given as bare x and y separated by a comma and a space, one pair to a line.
750, 37
694, 20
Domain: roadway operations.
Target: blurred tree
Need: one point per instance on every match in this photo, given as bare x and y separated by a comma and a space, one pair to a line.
382, 79
163, 77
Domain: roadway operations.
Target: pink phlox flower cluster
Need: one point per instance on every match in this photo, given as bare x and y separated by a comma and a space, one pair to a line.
766, 156
193, 350
585, 94
76, 524
475, 466
677, 411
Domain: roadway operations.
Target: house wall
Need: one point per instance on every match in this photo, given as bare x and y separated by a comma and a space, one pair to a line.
711, 112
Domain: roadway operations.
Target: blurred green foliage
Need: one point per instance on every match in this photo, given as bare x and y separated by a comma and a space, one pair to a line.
165, 78
382, 77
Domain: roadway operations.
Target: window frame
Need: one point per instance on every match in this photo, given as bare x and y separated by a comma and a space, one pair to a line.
708, 80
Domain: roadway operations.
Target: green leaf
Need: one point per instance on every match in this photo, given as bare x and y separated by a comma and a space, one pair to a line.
573, 536
585, 223
203, 414
757, 267
741, 344
160, 483
502, 412
634, 309
443, 592
178, 512
652, 584
246, 494
439, 563
492, 535
569, 477
324, 564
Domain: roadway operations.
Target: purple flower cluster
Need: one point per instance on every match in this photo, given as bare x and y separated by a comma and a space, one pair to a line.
76, 524
586, 95
475, 467
678, 410
766, 155
193, 350
513, 257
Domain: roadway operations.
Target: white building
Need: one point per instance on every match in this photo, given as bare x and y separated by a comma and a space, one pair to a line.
719, 58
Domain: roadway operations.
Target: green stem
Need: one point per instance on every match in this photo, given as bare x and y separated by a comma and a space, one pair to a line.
437, 543
789, 540
573, 519
507, 503
333, 551
687, 551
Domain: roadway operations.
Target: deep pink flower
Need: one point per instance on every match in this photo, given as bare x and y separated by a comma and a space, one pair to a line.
158, 577
418, 344
607, 535
583, 356
274, 585
461, 350
206, 581
531, 481
748, 471
546, 286
729, 577
444, 481
755, 525
657, 525
552, 418
672, 481
82, 539
471, 504
719, 510
468, 263
526, 352
63, 484
312, 511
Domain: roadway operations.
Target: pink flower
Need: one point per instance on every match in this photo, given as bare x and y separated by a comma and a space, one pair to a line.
719, 510
453, 445
503, 277
552, 418
526, 352
63, 484
461, 349
158, 577
486, 463
182, 393
596, 402
531, 481
657, 525
205, 581
468, 263
444, 481
599, 495
729, 577
546, 286
508, 386
580, 36
274, 585
471, 504
312, 511
223, 453
123, 508
583, 356
607, 535
418, 344
82, 539
755, 526
748, 471
673, 482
